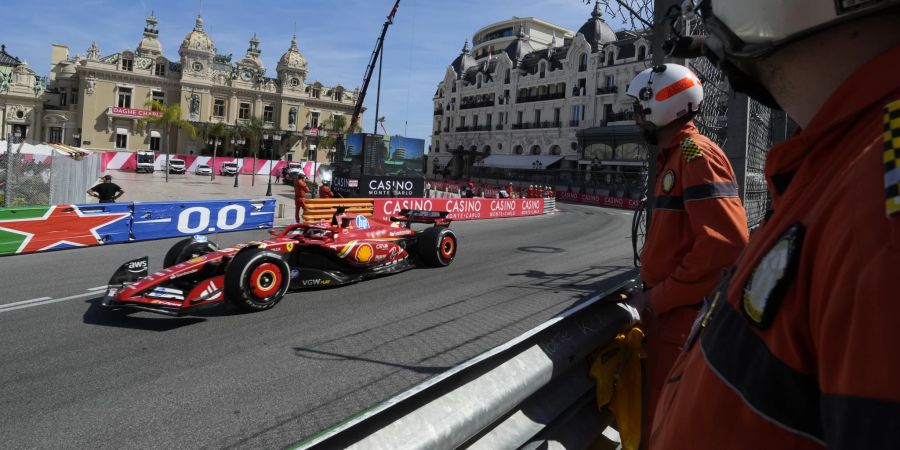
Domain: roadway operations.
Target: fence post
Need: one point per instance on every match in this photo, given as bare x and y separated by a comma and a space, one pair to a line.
7, 191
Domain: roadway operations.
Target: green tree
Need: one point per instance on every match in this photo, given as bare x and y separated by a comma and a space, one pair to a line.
221, 132
252, 130
170, 121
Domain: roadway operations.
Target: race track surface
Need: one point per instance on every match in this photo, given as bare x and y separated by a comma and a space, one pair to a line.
74, 376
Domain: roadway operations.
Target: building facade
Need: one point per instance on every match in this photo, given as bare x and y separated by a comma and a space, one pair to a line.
534, 96
21, 98
96, 101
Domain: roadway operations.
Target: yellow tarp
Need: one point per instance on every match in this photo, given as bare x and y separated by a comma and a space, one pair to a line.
617, 370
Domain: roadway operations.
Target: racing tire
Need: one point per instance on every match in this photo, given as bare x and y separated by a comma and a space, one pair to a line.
186, 249
256, 280
437, 246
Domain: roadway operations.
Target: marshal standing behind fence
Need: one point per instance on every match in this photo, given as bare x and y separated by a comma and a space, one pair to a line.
106, 191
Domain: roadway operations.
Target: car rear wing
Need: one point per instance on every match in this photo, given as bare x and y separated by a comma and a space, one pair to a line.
411, 216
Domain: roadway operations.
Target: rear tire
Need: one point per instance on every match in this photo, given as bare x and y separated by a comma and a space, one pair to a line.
256, 279
186, 249
437, 246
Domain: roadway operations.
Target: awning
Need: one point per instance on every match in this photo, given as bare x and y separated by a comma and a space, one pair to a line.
154, 133
121, 131
519, 161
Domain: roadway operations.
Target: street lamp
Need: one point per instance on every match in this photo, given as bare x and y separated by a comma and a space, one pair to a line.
237, 154
317, 133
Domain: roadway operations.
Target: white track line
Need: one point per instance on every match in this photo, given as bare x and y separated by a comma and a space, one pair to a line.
41, 302
24, 302
96, 288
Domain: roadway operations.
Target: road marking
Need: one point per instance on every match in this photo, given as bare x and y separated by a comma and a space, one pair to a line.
96, 288
41, 301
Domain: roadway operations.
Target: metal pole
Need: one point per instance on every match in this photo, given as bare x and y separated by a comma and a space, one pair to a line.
316, 159
269, 185
212, 172
7, 191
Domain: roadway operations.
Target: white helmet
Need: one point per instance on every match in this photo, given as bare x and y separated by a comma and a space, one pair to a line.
665, 93
748, 29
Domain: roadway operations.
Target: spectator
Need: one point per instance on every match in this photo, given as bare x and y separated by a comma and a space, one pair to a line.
106, 190
797, 348
427, 189
469, 191
699, 224
325, 191
503, 193
300, 191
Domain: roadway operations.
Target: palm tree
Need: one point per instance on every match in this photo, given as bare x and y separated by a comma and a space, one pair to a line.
220, 132
169, 120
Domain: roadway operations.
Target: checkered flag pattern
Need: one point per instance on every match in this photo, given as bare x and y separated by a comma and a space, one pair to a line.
690, 150
892, 157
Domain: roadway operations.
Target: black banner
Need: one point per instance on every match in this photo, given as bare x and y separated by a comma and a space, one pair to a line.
391, 187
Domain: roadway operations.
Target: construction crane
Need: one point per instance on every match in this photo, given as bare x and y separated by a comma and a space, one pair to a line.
379, 44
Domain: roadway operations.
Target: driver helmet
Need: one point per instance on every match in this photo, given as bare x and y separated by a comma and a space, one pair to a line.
664, 93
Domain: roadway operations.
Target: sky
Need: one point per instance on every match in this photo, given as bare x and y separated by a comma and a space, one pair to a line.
336, 37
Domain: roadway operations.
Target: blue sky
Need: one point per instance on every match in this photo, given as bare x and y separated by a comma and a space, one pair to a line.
336, 37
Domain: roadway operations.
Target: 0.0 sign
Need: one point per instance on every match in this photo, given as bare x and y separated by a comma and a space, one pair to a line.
196, 219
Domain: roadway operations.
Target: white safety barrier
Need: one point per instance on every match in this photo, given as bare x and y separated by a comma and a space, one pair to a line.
531, 392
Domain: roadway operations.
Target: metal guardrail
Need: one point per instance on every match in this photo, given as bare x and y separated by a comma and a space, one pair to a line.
527, 393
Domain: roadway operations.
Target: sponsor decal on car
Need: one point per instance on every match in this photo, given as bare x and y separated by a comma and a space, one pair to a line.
362, 223
364, 253
138, 266
316, 282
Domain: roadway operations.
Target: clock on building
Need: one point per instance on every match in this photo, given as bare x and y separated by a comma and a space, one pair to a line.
246, 75
295, 82
197, 66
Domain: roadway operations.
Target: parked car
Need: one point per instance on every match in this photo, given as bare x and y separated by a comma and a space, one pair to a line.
176, 166
203, 169
290, 172
145, 162
228, 169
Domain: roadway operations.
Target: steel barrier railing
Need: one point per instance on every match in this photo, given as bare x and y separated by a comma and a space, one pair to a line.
526, 393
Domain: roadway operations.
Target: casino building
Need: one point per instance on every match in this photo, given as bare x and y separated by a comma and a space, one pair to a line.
96, 101
530, 96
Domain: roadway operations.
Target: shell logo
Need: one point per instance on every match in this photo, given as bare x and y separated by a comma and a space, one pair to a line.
364, 253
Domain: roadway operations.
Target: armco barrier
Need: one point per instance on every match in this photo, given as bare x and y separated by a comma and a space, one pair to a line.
462, 208
36, 229
161, 220
600, 200
528, 393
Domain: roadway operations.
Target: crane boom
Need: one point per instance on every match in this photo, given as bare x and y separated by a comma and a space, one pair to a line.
371, 67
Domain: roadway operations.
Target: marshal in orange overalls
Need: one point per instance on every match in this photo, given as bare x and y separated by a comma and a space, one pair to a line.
300, 191
800, 350
698, 228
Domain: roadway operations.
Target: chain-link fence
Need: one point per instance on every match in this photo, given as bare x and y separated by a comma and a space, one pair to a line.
760, 138
32, 175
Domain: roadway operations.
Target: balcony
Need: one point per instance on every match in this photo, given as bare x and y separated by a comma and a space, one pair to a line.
446, 129
482, 104
462, 129
499, 126
619, 117
607, 90
574, 123
437, 132
438, 112
540, 98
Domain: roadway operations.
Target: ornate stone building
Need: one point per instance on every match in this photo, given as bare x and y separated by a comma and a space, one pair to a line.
21, 98
519, 101
96, 101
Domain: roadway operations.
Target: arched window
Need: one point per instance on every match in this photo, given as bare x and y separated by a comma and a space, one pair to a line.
536, 150
642, 53
555, 150
543, 70
506, 77
486, 150
582, 62
518, 150
610, 57
479, 81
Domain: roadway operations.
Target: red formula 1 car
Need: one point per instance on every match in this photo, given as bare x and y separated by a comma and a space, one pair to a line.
254, 276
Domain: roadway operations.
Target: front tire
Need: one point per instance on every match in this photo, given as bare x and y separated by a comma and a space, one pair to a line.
437, 246
256, 279
186, 249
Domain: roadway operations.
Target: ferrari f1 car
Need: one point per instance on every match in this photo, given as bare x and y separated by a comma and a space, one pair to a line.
254, 276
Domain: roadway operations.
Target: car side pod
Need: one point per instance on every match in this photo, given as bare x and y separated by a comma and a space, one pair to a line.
127, 273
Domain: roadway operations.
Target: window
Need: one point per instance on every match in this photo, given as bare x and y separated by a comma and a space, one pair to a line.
454, 87
158, 96
537, 116
506, 77
121, 141
556, 114
518, 150
128, 64
159, 69
582, 62
642, 53
487, 120
73, 97
610, 81
543, 70
244, 111
219, 107
576, 114
154, 143
316, 92
479, 81
609, 58
314, 120
55, 135
339, 95
519, 117
268, 113
462, 121
124, 98
475, 120
63, 97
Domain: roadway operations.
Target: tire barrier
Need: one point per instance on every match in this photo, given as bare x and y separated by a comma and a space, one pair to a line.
549, 205
59, 227
323, 208
527, 393
599, 200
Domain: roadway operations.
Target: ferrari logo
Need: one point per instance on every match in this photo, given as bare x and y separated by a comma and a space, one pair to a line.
289, 246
